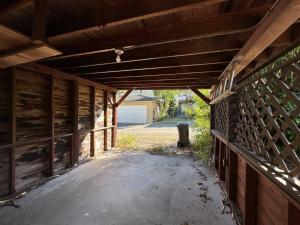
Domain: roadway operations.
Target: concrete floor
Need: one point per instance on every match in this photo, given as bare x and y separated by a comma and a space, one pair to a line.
125, 189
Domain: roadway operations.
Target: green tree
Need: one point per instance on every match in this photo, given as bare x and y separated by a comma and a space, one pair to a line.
167, 99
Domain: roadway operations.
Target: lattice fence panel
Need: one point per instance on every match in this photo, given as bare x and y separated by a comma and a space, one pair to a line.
268, 120
221, 116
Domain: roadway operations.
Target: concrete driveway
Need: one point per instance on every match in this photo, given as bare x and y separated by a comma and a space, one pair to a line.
162, 133
134, 188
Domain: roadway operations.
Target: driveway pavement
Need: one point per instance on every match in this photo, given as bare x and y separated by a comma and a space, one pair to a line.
158, 134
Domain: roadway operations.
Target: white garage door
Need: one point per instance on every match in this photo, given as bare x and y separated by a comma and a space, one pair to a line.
132, 114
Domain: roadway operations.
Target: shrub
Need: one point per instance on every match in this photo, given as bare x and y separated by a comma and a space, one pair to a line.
202, 141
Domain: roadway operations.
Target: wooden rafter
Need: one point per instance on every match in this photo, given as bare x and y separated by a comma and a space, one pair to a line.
183, 69
188, 81
214, 58
210, 65
202, 96
207, 45
207, 27
124, 97
13, 5
163, 87
281, 17
138, 11
200, 75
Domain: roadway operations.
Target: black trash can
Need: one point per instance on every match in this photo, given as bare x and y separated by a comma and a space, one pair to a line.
183, 131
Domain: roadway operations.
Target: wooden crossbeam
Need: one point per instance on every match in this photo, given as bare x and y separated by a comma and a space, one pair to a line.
150, 62
12, 5
202, 96
281, 17
211, 76
108, 16
164, 87
183, 69
128, 92
197, 28
165, 79
216, 65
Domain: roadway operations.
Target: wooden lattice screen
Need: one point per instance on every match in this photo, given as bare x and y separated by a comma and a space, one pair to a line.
268, 108
221, 116
268, 114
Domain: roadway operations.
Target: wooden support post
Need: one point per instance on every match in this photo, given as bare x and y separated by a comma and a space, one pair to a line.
232, 176
13, 128
105, 119
75, 146
216, 153
93, 120
250, 196
200, 95
115, 121
124, 97
51, 115
39, 21
222, 147
292, 213
231, 157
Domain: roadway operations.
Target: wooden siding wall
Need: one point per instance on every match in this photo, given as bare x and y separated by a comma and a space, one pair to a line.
256, 199
47, 124
5, 132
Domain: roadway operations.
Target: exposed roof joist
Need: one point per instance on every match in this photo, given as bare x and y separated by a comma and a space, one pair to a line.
200, 75
10, 5
139, 10
183, 69
274, 24
227, 23
214, 58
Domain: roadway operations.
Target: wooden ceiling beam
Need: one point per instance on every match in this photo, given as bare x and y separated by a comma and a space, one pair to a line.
203, 80
12, 5
204, 46
136, 85
200, 95
117, 14
191, 69
152, 68
222, 24
124, 97
204, 75
281, 17
133, 64
165, 87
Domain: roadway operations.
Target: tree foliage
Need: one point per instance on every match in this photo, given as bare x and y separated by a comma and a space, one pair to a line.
201, 117
167, 99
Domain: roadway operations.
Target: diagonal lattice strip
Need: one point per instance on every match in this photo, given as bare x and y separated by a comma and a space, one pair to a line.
220, 116
268, 114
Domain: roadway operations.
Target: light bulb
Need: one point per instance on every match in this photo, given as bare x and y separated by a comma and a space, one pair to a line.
118, 59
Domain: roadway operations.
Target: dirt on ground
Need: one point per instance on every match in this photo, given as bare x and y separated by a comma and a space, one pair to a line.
155, 135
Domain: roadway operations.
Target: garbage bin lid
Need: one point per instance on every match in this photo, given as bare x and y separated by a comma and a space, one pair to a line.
181, 123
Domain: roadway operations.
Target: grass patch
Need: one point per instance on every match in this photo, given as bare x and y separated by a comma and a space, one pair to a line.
127, 141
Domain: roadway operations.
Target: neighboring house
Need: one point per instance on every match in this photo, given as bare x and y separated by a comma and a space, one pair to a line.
140, 107
185, 102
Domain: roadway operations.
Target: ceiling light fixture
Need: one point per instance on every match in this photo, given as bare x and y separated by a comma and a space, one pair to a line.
119, 52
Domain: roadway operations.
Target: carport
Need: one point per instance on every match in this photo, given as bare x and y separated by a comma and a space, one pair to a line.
62, 63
